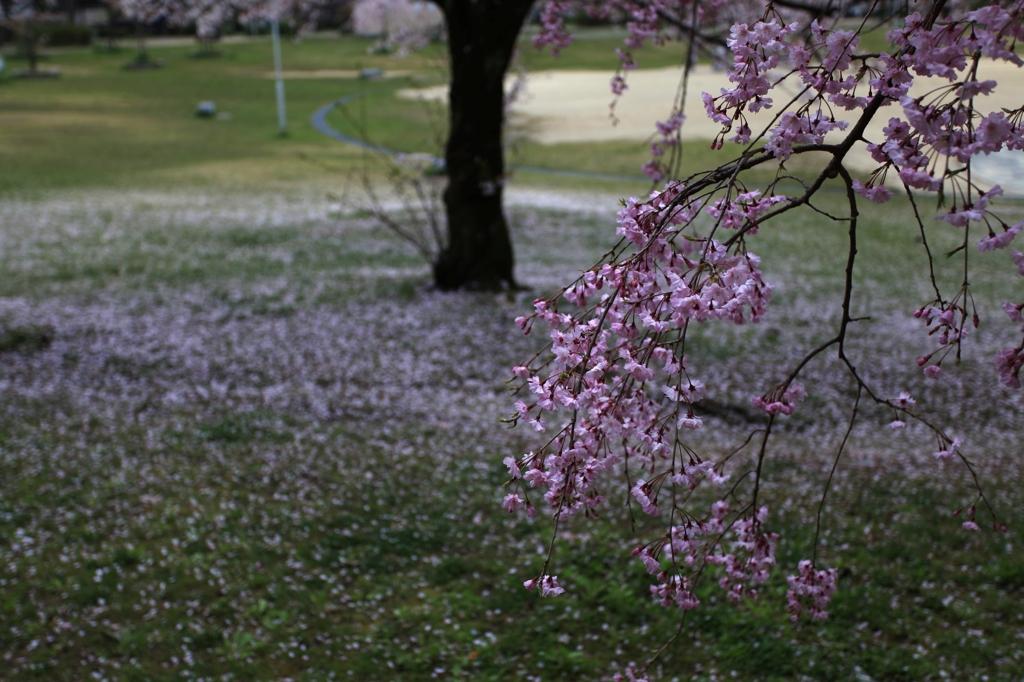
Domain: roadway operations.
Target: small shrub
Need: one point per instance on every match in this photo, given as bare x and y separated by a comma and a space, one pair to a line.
68, 35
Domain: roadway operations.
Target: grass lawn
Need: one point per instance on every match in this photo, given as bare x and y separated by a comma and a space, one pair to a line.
241, 439
99, 125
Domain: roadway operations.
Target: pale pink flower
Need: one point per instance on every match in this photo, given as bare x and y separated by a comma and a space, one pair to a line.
1008, 365
691, 422
512, 503
812, 589
904, 401
1014, 311
878, 193
1001, 240
1018, 260
652, 565
513, 467
950, 452
549, 586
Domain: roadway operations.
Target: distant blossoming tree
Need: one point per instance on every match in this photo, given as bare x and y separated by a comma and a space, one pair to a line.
142, 13
27, 20
614, 388
398, 25
208, 17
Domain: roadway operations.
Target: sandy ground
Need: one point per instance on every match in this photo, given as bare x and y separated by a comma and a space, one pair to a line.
573, 106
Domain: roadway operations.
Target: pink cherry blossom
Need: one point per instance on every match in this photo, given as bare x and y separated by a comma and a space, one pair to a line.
950, 452
810, 589
878, 193
1008, 364
904, 401
1018, 260
1014, 311
1001, 240
512, 503
613, 377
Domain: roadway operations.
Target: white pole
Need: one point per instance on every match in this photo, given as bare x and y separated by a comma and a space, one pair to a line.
282, 122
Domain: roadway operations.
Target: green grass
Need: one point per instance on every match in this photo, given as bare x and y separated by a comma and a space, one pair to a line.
393, 585
269, 544
100, 125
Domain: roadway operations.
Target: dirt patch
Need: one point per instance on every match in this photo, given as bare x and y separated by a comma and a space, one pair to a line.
578, 106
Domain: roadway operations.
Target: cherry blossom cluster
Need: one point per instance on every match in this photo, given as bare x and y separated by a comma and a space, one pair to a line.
691, 547
623, 395
613, 390
208, 16
552, 32
823, 64
647, 20
401, 26
668, 137
751, 558
811, 590
143, 11
946, 126
832, 51
1009, 361
756, 52
946, 122
948, 323
794, 129
548, 586
744, 210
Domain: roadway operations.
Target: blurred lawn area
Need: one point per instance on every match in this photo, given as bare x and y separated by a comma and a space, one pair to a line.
100, 125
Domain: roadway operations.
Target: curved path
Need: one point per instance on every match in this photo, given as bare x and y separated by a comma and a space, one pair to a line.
320, 123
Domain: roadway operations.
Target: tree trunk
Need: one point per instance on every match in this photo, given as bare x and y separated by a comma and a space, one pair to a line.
481, 40
32, 45
140, 43
69, 5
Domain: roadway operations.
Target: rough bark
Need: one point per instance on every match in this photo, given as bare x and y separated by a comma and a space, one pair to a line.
481, 40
